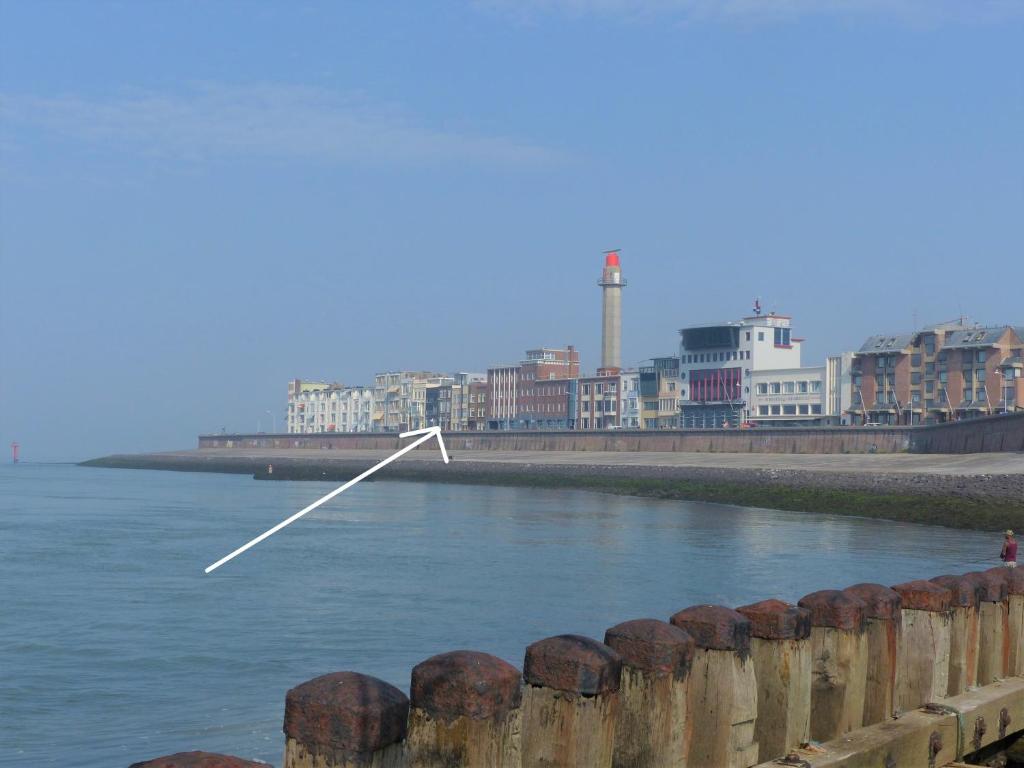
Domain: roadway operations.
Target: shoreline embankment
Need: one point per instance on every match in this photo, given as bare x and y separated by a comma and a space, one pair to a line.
955, 492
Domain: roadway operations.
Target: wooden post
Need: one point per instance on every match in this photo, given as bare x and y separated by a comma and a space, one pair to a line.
570, 704
344, 720
1014, 580
723, 688
780, 647
839, 653
883, 626
963, 641
653, 730
993, 646
198, 760
923, 672
464, 712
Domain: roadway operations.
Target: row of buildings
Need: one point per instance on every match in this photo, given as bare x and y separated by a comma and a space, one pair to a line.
727, 374
739, 373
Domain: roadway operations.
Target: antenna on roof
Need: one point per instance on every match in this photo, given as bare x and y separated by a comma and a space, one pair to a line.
757, 306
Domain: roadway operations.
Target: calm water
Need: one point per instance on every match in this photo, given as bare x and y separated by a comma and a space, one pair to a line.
116, 647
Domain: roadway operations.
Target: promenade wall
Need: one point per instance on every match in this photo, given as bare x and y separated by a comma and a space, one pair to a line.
992, 433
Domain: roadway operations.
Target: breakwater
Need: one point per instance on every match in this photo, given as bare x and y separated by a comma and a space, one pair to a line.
922, 673
962, 493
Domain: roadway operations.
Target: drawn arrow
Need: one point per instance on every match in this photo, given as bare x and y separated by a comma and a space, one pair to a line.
425, 434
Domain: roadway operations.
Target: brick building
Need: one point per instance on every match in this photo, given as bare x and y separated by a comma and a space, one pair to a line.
947, 372
524, 396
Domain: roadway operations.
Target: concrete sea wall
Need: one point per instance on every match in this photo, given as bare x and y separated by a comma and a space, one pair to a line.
992, 433
712, 687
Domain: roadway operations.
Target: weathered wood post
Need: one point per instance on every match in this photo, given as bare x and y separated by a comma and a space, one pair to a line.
723, 688
993, 644
1014, 580
780, 647
570, 704
464, 712
653, 730
344, 720
963, 641
923, 672
839, 660
198, 760
883, 626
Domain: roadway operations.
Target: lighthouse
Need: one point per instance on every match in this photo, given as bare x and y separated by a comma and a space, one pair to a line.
611, 283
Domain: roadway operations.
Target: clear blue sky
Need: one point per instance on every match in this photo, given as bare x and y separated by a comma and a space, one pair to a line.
200, 201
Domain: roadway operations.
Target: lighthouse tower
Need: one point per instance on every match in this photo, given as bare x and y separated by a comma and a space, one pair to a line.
611, 283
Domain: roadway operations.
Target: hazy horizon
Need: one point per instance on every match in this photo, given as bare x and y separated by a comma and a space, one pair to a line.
201, 202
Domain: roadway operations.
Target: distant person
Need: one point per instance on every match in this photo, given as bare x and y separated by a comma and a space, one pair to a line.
1009, 553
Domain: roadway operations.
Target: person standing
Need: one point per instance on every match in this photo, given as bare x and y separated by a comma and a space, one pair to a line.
1009, 552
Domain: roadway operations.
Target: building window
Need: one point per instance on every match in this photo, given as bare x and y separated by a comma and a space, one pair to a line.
816, 410
776, 410
981, 395
915, 360
760, 335
981, 356
915, 378
802, 387
762, 389
775, 388
789, 387
968, 394
748, 335
789, 410
815, 386
762, 410
979, 375
804, 410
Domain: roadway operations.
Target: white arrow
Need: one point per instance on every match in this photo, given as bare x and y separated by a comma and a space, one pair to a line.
426, 434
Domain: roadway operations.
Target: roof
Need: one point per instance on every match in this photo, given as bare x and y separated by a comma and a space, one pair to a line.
975, 337
886, 342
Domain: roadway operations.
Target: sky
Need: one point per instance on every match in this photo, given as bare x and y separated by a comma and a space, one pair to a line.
201, 201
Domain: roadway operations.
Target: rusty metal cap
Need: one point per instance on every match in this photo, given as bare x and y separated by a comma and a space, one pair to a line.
653, 646
776, 620
715, 627
836, 609
880, 601
965, 590
573, 663
465, 684
994, 584
921, 595
1012, 577
346, 712
198, 760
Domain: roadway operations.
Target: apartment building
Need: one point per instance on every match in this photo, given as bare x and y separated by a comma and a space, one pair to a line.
950, 371
476, 411
522, 396
316, 406
660, 390
447, 404
400, 399
598, 405
629, 400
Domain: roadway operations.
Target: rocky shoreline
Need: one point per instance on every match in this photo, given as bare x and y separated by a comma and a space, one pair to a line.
973, 501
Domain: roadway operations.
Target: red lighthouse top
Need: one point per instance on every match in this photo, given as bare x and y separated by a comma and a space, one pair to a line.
611, 259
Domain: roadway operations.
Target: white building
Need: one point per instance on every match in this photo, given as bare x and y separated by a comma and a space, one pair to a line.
316, 406
730, 372
629, 400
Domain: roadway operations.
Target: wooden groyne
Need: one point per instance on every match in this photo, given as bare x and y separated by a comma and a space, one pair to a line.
925, 673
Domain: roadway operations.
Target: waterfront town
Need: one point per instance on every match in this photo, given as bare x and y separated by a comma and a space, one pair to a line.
739, 373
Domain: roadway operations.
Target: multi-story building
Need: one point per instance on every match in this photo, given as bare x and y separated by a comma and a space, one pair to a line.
718, 364
660, 393
794, 396
476, 412
946, 372
520, 396
598, 402
400, 399
322, 407
629, 400
838, 388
